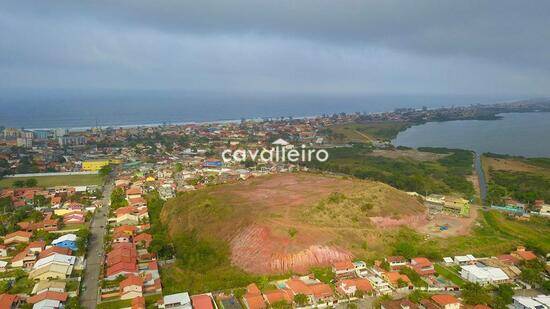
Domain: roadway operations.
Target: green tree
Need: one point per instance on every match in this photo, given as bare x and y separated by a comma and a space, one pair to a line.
474, 294
301, 299
31, 182
105, 170
118, 198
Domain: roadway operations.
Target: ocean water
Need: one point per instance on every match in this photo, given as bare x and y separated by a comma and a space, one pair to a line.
75, 109
522, 134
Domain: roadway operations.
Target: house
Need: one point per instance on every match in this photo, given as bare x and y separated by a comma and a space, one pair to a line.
24, 259
127, 216
17, 237
133, 192
176, 301
253, 298
138, 303
537, 302
422, 266
483, 275
48, 300
131, 287
143, 239
3, 251
344, 268
465, 259
397, 280
8, 301
36, 246
75, 217
128, 229
49, 286
137, 202
121, 237
349, 287
446, 301
66, 241
55, 266
396, 262
53, 250
203, 301
3, 265
313, 289
279, 295
523, 254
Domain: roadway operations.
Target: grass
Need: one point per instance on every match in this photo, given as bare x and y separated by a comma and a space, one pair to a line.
150, 300
367, 131
52, 181
449, 274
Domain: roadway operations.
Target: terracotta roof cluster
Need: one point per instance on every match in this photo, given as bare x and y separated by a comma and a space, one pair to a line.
121, 259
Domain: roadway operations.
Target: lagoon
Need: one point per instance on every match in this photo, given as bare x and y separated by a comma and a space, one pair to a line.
521, 134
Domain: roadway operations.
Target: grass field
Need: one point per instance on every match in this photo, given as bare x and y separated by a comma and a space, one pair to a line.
52, 181
150, 300
449, 274
366, 132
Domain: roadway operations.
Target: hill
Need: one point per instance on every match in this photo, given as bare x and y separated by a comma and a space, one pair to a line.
291, 222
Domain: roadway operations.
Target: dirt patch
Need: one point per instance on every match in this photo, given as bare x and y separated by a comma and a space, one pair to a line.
408, 154
507, 165
456, 226
291, 222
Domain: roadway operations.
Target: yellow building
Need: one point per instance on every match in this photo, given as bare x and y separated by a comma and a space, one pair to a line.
93, 166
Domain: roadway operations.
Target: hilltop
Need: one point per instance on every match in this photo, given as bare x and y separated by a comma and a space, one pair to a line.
291, 222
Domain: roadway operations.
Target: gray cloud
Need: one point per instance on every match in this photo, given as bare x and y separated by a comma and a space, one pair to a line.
300, 46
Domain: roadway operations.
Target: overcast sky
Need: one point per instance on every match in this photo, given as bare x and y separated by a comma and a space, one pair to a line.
321, 47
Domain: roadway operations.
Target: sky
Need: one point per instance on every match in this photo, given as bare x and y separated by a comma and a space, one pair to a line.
322, 47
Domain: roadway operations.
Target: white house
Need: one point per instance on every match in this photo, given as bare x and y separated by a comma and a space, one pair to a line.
177, 301
483, 275
537, 302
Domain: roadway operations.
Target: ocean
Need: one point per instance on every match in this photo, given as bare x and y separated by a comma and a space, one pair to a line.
79, 110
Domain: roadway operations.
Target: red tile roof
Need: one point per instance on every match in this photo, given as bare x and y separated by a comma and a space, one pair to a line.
445, 299
47, 295
138, 303
7, 300
277, 296
344, 265
201, 302
53, 250
130, 281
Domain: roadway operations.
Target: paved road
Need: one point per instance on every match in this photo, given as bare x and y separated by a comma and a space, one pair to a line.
94, 255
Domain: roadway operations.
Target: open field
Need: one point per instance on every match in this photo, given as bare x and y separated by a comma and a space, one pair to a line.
524, 179
407, 170
366, 131
269, 227
52, 181
291, 222
411, 154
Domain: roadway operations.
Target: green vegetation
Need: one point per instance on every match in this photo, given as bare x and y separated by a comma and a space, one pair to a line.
105, 170
365, 132
324, 274
522, 186
52, 181
118, 199
495, 234
414, 277
446, 175
474, 294
150, 300
449, 274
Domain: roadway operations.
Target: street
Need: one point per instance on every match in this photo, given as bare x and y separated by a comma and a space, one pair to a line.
95, 252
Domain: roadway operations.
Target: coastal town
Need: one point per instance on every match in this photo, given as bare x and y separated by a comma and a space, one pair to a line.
81, 214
